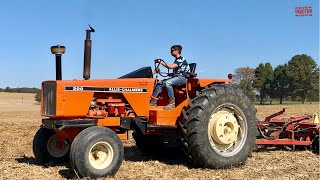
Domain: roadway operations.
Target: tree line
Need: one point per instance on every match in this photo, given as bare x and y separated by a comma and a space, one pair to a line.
298, 79
20, 90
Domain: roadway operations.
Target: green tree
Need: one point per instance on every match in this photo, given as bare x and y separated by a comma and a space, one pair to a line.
263, 78
243, 79
315, 93
281, 82
303, 75
37, 97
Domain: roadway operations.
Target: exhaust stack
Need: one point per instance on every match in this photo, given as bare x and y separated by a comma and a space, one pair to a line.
87, 54
58, 51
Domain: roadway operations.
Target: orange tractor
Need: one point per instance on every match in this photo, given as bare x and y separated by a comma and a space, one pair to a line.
84, 121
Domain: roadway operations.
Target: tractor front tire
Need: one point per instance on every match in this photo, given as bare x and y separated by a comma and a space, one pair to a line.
220, 127
45, 147
96, 152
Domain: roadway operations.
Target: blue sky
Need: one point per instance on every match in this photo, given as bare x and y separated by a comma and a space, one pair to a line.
218, 35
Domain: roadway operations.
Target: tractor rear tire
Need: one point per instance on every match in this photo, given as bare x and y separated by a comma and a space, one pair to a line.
157, 145
220, 127
96, 152
45, 150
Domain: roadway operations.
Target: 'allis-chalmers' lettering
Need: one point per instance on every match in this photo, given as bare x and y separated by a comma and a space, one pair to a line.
105, 89
126, 89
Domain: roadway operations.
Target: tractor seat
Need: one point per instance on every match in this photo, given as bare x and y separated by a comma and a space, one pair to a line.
190, 74
192, 70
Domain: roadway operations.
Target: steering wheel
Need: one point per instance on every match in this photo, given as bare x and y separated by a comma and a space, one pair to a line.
156, 68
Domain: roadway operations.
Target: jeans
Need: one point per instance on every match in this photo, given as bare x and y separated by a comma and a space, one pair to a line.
168, 83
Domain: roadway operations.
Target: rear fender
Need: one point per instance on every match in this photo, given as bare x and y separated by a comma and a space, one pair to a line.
194, 85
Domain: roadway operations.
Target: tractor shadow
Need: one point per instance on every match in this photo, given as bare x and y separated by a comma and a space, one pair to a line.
27, 160
67, 173
132, 153
33, 161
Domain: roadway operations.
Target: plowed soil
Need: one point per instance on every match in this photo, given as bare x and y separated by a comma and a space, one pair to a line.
20, 119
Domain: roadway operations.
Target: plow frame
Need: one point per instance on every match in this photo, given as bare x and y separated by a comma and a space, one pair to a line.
296, 131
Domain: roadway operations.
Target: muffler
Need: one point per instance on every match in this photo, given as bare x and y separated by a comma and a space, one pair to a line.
87, 54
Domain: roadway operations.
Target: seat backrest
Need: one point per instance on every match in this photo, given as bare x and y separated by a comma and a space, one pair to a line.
192, 70
192, 67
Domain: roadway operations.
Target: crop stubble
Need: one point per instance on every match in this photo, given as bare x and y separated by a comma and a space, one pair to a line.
20, 119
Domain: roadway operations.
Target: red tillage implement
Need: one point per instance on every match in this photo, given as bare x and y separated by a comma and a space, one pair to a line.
302, 130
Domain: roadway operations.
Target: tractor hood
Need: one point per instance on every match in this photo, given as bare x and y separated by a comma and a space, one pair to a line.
72, 98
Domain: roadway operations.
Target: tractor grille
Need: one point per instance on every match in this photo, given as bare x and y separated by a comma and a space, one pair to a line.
49, 98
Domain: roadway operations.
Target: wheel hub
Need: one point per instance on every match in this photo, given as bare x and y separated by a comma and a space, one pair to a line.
223, 128
101, 155
57, 150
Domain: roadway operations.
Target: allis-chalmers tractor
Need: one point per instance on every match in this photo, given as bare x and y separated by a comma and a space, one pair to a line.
84, 121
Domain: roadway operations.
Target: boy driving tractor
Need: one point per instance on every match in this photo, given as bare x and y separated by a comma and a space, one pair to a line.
180, 68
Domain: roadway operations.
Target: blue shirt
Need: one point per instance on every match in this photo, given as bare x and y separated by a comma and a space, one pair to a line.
183, 67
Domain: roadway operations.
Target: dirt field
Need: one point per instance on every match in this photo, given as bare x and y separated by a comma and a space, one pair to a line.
20, 119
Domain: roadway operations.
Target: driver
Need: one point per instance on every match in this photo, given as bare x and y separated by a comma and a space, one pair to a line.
180, 68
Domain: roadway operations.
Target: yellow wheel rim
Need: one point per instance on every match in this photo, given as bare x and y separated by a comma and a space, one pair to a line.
227, 130
101, 155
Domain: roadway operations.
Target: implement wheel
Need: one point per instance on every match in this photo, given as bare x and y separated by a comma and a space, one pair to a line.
45, 148
316, 144
220, 127
96, 152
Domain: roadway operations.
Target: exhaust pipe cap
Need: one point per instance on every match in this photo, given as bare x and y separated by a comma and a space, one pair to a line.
58, 50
